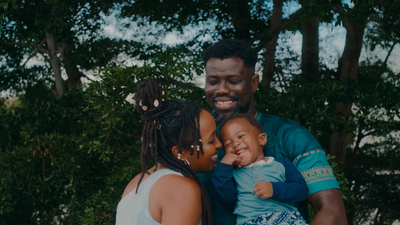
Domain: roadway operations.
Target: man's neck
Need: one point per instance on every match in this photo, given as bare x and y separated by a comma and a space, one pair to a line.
253, 111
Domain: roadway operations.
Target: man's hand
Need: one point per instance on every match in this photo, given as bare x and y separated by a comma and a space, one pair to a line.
232, 159
263, 190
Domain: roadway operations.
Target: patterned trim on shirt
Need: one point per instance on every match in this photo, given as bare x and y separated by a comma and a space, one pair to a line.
307, 153
317, 174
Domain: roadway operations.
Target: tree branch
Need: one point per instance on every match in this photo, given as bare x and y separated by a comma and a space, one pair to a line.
292, 17
123, 133
276, 30
38, 48
390, 52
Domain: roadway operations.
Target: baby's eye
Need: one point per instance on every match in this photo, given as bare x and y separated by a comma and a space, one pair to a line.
240, 137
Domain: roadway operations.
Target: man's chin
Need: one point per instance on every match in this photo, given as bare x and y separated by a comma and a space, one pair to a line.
219, 114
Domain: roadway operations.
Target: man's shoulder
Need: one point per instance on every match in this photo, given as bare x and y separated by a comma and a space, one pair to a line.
286, 137
275, 123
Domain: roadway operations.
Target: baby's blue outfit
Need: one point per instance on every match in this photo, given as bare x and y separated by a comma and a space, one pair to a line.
235, 186
134, 207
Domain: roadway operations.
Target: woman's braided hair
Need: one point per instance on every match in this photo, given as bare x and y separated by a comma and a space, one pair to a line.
167, 124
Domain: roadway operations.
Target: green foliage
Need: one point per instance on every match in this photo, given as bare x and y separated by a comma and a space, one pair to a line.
70, 158
3, 10
73, 27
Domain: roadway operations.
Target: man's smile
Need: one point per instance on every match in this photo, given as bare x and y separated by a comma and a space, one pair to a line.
225, 103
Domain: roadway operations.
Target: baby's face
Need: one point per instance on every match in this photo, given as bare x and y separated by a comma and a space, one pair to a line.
239, 137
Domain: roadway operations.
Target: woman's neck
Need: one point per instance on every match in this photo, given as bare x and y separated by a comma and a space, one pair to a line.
160, 166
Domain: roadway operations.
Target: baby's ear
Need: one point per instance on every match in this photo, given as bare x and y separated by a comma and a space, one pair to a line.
262, 139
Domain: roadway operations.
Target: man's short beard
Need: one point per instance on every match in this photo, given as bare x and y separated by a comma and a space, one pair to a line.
220, 115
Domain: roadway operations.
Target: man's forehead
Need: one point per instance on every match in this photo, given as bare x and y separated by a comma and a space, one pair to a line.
227, 67
223, 61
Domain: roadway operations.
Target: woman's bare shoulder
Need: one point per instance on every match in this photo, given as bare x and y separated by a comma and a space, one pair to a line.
173, 186
173, 194
132, 185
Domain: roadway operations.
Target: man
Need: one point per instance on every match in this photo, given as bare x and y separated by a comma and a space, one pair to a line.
230, 84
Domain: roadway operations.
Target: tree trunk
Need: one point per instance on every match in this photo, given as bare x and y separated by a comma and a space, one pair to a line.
73, 73
270, 45
55, 64
241, 19
348, 69
310, 49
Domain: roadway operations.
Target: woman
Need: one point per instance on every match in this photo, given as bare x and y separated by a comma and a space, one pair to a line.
180, 139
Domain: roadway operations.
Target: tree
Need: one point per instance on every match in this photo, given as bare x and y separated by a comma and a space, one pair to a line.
63, 35
253, 22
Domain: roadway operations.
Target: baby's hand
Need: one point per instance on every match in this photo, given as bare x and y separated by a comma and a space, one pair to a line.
232, 159
263, 190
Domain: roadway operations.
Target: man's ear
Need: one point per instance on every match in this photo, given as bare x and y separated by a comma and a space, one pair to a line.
254, 82
262, 139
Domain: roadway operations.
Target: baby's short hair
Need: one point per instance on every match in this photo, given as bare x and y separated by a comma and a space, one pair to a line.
250, 118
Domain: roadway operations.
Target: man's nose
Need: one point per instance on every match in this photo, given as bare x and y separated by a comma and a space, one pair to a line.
222, 89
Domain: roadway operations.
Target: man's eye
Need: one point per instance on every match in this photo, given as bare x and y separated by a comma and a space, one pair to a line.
212, 82
234, 81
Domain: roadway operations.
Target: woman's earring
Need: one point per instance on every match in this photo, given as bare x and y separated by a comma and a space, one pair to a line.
179, 156
186, 162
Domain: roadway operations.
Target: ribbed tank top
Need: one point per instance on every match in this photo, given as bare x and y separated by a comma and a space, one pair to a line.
134, 207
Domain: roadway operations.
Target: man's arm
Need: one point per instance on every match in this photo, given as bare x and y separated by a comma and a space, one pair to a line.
310, 160
328, 206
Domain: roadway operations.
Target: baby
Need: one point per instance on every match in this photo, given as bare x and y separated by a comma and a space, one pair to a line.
261, 187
